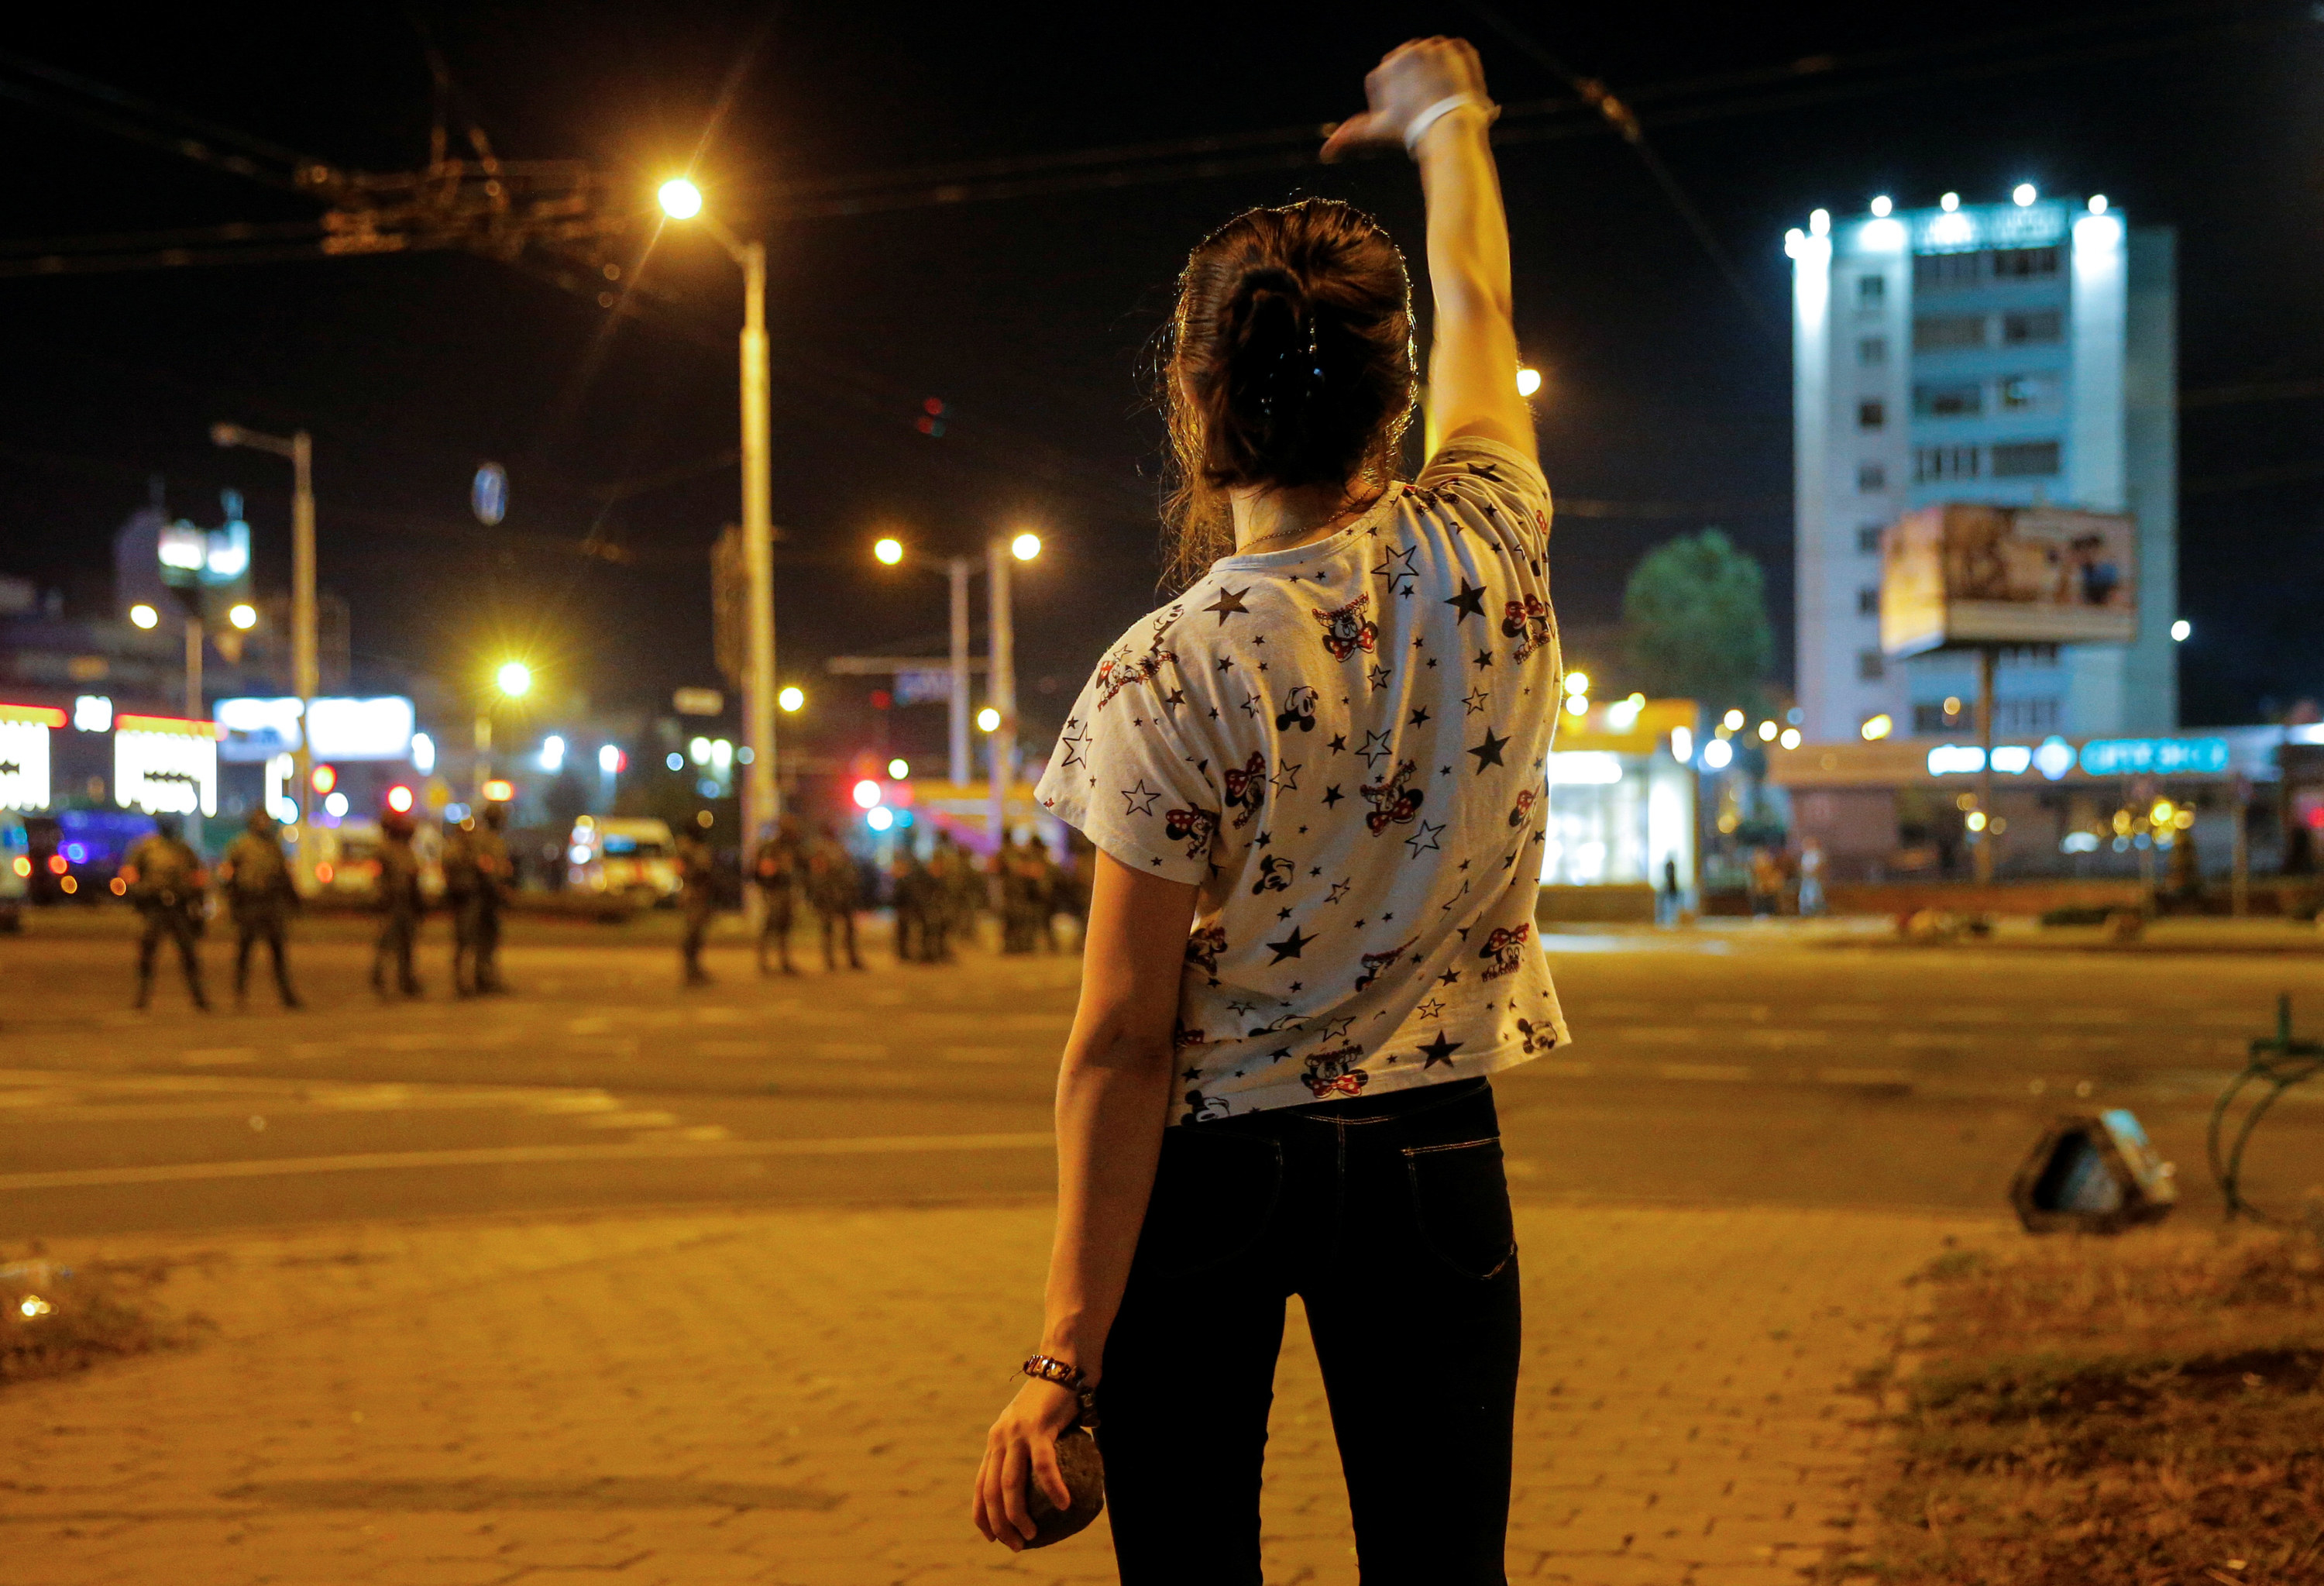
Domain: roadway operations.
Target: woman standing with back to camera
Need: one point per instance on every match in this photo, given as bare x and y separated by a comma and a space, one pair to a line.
1315, 782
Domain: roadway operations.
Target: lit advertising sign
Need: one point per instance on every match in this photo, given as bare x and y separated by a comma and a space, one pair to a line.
24, 732
2135, 757
163, 765
1964, 574
258, 730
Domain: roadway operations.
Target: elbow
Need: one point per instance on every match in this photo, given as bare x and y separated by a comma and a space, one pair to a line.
1119, 1049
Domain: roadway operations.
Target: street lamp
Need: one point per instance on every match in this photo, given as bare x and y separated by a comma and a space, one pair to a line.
305, 679
513, 679
761, 801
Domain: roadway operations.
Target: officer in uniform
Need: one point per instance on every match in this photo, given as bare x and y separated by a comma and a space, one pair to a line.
698, 897
257, 881
775, 871
835, 887
164, 880
916, 910
476, 873
398, 904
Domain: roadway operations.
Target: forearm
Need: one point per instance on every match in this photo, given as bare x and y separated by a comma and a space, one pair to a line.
1468, 230
1113, 1095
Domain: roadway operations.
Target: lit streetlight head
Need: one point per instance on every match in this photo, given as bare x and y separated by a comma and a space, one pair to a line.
1882, 204
792, 697
2024, 194
514, 678
890, 551
145, 615
243, 615
1528, 381
680, 199
1025, 546
898, 769
988, 719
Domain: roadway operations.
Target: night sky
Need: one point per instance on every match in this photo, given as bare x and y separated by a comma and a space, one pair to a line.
1032, 316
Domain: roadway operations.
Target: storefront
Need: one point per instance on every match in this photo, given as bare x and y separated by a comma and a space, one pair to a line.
1620, 802
1909, 809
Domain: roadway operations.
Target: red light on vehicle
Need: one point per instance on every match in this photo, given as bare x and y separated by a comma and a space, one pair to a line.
325, 779
57, 865
325, 871
120, 887
68, 886
882, 700
398, 798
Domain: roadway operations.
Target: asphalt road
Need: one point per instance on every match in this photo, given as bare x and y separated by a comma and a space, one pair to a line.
1708, 1067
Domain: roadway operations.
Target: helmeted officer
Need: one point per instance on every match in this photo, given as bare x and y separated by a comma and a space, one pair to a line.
166, 883
256, 877
398, 904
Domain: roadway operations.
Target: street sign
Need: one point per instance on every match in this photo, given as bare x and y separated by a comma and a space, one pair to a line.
488, 496
699, 702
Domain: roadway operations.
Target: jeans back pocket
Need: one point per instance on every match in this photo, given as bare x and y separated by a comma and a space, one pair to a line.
1460, 1195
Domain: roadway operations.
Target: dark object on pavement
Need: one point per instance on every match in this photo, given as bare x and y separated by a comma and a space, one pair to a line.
2093, 1173
1085, 1473
2279, 1063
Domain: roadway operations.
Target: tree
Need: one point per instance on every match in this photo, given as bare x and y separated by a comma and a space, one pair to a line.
1694, 623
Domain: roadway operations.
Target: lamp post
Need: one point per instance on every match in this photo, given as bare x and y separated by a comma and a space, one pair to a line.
761, 795
1001, 667
304, 680
514, 682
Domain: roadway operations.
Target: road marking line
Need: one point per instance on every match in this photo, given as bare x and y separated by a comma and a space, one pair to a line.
514, 1156
1865, 1077
1781, 1038
1717, 1071
1680, 1033
216, 1054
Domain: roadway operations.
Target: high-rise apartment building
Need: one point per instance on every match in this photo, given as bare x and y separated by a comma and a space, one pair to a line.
2018, 354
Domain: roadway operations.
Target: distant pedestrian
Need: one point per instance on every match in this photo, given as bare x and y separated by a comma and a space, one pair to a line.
166, 883
916, 909
256, 878
835, 889
959, 893
1667, 903
697, 897
1024, 886
399, 905
775, 871
1811, 878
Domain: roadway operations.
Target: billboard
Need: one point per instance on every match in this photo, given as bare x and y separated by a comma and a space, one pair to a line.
1964, 574
165, 765
24, 732
258, 729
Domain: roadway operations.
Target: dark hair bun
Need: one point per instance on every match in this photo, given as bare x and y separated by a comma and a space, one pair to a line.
1291, 358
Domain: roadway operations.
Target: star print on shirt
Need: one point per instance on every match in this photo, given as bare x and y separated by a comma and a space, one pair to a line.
1172, 701
1332, 796
1470, 602
1072, 738
1341, 889
1396, 568
1420, 716
1377, 677
1375, 748
1484, 658
1439, 1050
1429, 1009
1230, 604
1475, 702
1139, 799
1489, 752
1291, 946
1339, 743
1424, 840
1286, 778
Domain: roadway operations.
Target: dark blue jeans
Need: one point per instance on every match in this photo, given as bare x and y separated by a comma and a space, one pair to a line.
1390, 1217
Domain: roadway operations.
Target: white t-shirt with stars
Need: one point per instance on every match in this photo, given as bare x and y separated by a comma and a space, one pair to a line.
1342, 745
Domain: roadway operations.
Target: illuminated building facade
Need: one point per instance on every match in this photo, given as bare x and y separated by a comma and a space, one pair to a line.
2018, 354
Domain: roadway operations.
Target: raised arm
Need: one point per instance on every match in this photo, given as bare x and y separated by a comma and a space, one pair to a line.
1436, 89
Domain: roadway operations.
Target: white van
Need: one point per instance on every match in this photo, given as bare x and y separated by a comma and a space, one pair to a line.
619, 856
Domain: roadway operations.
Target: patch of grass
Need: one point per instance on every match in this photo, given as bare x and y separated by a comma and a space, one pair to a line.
2127, 1412
57, 1319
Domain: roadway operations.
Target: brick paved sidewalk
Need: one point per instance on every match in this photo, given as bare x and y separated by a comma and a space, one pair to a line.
798, 1397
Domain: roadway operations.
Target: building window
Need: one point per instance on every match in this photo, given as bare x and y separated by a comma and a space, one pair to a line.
2033, 325
2022, 394
1929, 720
1947, 272
1871, 476
2024, 459
1871, 415
1944, 462
1871, 290
1867, 600
2012, 718
1867, 539
1871, 666
2025, 264
1872, 351
1960, 399
1953, 333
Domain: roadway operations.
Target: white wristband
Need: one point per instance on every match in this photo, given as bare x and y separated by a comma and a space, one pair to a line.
1418, 126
